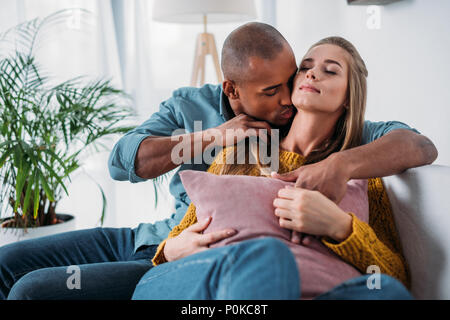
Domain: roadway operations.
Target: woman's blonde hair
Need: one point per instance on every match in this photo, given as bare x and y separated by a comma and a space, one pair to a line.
348, 129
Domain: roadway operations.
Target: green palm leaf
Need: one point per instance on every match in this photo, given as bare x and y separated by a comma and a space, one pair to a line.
36, 196
46, 127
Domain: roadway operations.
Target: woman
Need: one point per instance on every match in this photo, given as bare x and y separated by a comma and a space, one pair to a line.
329, 93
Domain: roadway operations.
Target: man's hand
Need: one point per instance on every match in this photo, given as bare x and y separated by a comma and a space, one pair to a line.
328, 176
237, 129
191, 240
391, 154
154, 155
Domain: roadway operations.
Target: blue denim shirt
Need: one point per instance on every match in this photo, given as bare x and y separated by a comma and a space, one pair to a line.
209, 105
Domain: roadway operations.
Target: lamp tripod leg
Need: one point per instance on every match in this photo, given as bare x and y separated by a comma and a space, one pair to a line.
196, 68
206, 45
202, 69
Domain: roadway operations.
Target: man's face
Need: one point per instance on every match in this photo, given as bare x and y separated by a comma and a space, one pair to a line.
266, 95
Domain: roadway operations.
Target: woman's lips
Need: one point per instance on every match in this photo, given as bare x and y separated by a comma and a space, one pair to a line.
309, 88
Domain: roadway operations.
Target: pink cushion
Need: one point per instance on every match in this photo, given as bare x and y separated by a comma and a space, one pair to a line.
245, 203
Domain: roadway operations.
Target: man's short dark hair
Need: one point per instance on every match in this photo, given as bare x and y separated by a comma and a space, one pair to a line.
254, 39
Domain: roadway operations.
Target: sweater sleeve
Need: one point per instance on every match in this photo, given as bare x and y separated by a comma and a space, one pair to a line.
363, 249
190, 216
188, 220
376, 243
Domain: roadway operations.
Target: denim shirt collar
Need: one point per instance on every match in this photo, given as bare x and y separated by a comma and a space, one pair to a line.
225, 108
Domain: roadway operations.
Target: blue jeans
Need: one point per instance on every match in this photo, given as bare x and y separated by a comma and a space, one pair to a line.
357, 289
106, 266
258, 269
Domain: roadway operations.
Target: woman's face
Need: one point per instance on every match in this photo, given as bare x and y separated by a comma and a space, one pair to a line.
322, 80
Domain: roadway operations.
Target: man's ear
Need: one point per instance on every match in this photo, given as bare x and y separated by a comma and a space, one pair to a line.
230, 89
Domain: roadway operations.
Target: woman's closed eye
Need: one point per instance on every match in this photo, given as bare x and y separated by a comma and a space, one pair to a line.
303, 69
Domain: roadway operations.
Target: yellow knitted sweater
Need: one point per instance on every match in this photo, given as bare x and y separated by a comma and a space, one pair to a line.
376, 243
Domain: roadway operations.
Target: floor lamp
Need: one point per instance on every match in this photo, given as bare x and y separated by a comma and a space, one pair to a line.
204, 11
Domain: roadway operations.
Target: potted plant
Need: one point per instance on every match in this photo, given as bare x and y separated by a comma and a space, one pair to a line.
45, 129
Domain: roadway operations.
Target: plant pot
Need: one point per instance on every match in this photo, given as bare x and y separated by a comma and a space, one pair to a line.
10, 235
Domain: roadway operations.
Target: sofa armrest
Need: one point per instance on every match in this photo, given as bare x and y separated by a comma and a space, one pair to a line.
420, 200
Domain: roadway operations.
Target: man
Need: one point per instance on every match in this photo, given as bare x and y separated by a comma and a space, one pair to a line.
258, 66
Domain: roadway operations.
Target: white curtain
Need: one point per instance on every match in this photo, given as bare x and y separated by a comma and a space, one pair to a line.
147, 59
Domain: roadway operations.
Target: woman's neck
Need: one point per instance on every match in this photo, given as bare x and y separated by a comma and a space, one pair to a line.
308, 131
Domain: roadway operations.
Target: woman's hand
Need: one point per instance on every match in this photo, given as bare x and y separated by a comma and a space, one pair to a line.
191, 240
310, 212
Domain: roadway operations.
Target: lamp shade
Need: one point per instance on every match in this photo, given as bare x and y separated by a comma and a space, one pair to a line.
192, 11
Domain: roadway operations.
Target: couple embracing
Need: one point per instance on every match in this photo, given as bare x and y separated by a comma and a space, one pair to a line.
325, 143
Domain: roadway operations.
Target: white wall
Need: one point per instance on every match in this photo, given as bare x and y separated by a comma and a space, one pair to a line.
408, 57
